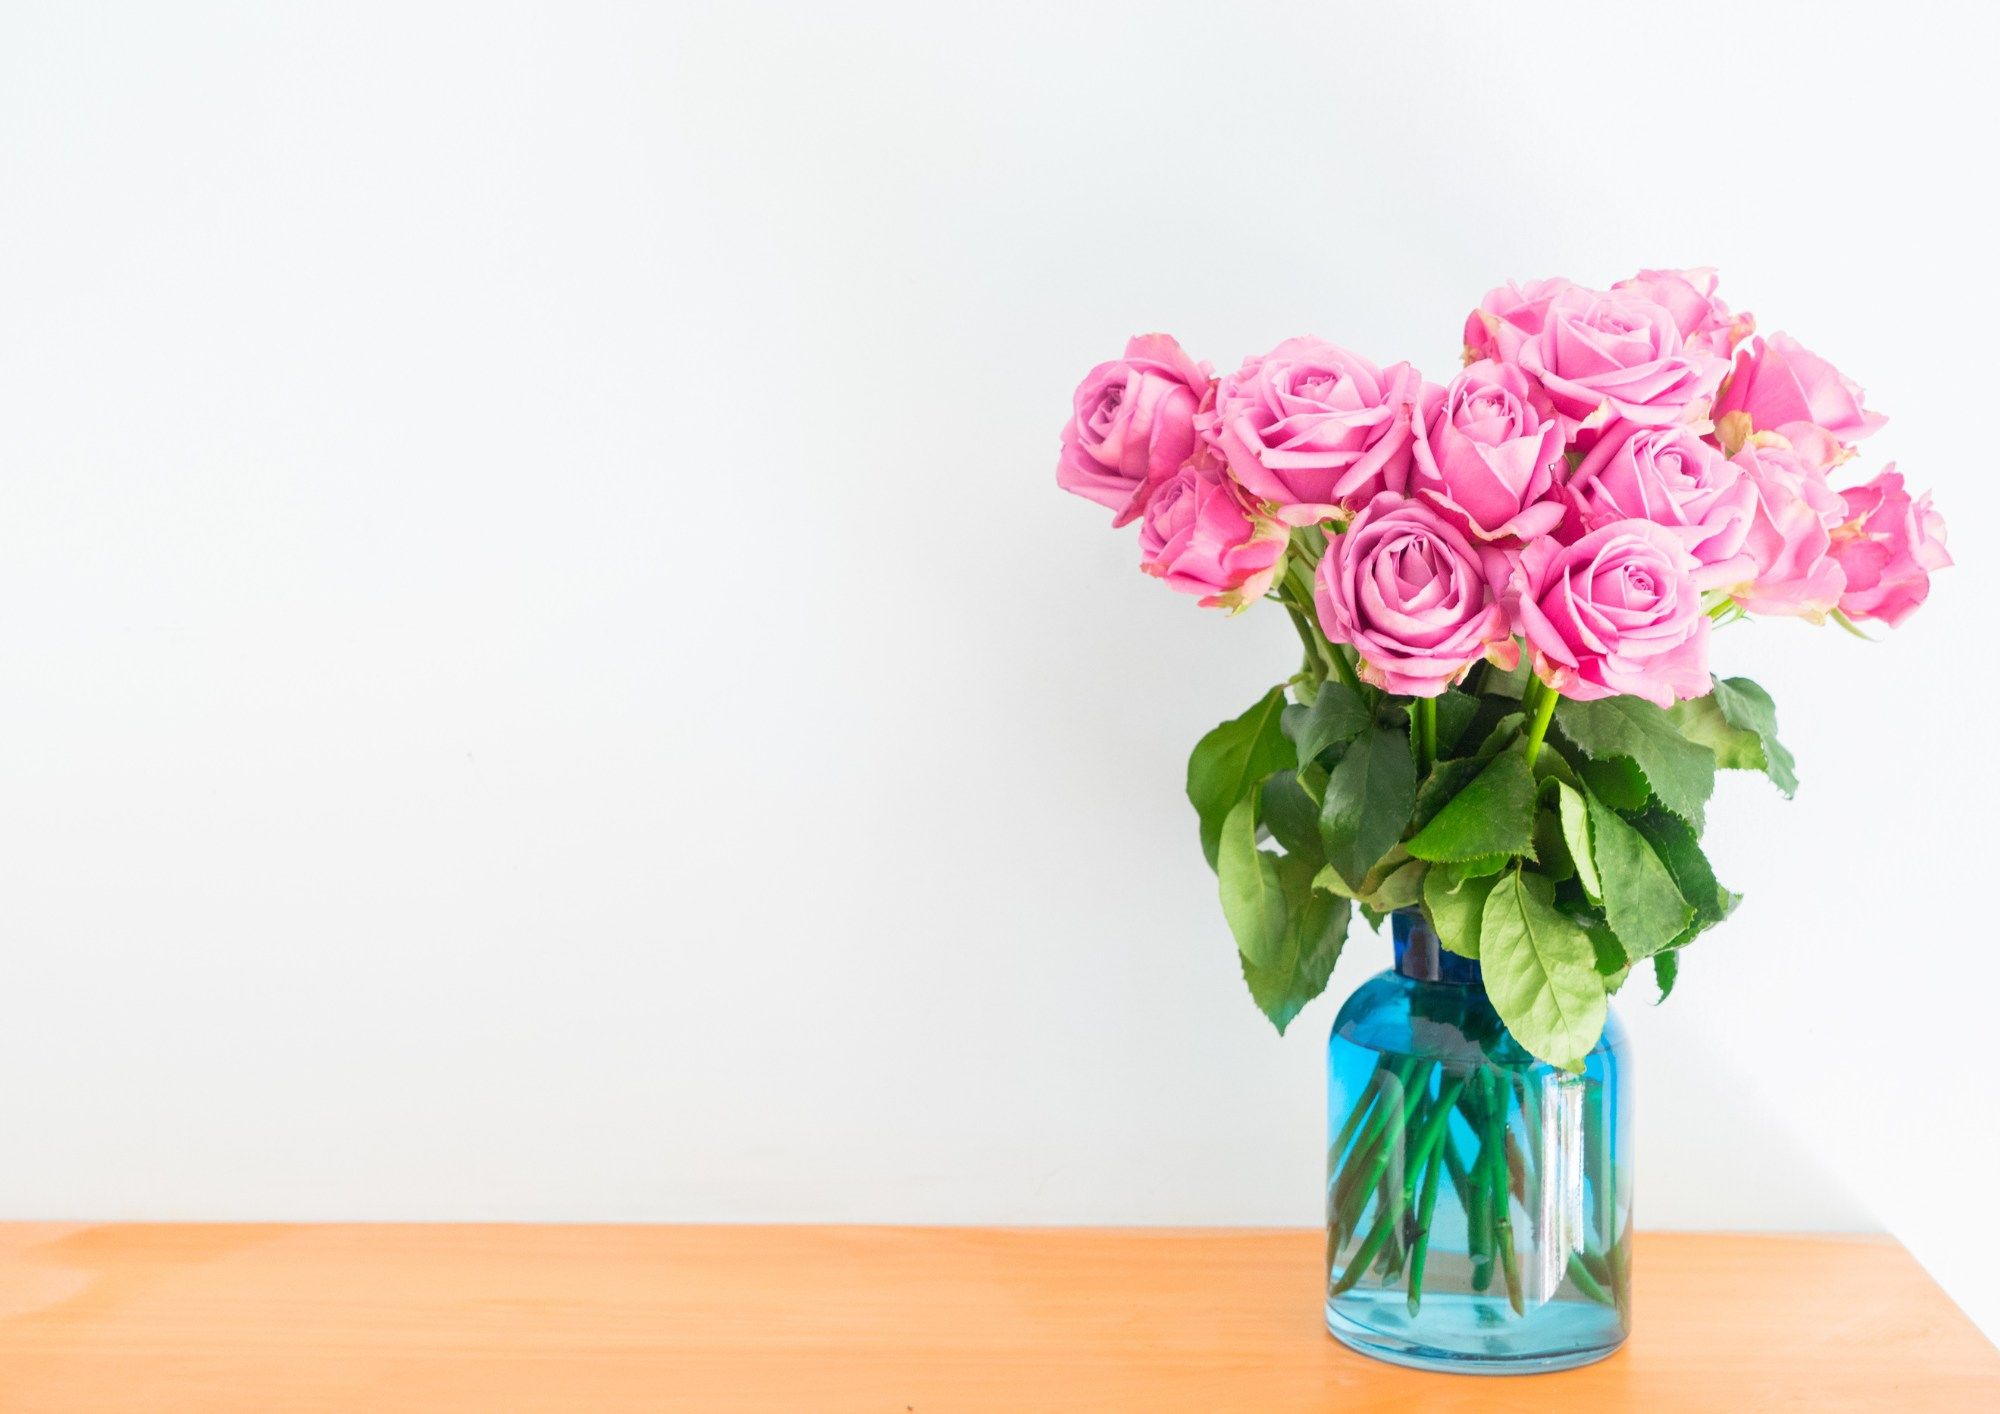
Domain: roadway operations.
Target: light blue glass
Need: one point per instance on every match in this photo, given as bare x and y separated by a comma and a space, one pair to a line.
1435, 1112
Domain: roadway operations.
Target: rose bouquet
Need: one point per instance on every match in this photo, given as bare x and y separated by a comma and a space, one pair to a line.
1504, 727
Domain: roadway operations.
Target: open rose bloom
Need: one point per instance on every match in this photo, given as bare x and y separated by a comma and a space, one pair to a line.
1520, 568
1311, 429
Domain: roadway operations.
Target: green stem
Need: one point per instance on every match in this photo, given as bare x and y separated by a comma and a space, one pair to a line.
1545, 708
1426, 1155
1476, 1194
1395, 1252
1315, 661
1366, 1173
1432, 1132
1394, 1196
1531, 1124
1517, 1170
1597, 1145
1621, 1274
1426, 1206
1296, 590
1364, 1255
1366, 1107
1387, 1098
1360, 1111
1497, 1091
1585, 1282
1424, 732
1346, 671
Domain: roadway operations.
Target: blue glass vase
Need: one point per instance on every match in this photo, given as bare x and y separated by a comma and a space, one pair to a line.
1479, 1201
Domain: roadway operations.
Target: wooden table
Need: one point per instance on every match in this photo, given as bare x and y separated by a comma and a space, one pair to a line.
280, 1317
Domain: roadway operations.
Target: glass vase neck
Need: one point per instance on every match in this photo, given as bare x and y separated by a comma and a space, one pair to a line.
1419, 954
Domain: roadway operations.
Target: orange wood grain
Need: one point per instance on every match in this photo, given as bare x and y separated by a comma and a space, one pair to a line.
289, 1317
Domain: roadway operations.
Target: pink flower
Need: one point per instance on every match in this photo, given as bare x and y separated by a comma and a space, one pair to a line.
1407, 590
1508, 317
1133, 425
1782, 387
1621, 351
1615, 614
1487, 452
1888, 548
1201, 537
1689, 295
1314, 429
1671, 477
1791, 572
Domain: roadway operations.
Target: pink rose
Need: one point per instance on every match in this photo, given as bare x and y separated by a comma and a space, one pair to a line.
1508, 317
1888, 548
1792, 572
1201, 537
1689, 295
1782, 387
1621, 351
1487, 451
1133, 425
1314, 428
1616, 613
1671, 477
1407, 590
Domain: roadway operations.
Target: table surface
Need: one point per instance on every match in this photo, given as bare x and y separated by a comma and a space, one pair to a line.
276, 1317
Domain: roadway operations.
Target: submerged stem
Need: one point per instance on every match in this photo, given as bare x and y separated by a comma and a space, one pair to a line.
1497, 1093
1426, 1207
1579, 1273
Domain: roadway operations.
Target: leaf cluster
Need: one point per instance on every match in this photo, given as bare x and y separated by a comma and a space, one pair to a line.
1560, 864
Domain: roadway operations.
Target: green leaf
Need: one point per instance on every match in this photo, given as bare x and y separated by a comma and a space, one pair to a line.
1551, 765
1291, 814
1369, 796
1739, 723
1371, 884
1446, 780
1227, 764
1680, 772
1253, 896
1495, 814
1337, 715
1681, 852
1612, 964
1749, 707
1454, 900
1700, 719
1401, 887
1575, 816
1540, 970
1666, 971
1311, 946
1507, 682
1552, 848
1500, 734
1455, 710
1617, 782
1641, 903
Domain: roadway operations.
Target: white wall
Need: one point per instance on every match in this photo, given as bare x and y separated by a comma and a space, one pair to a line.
544, 674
